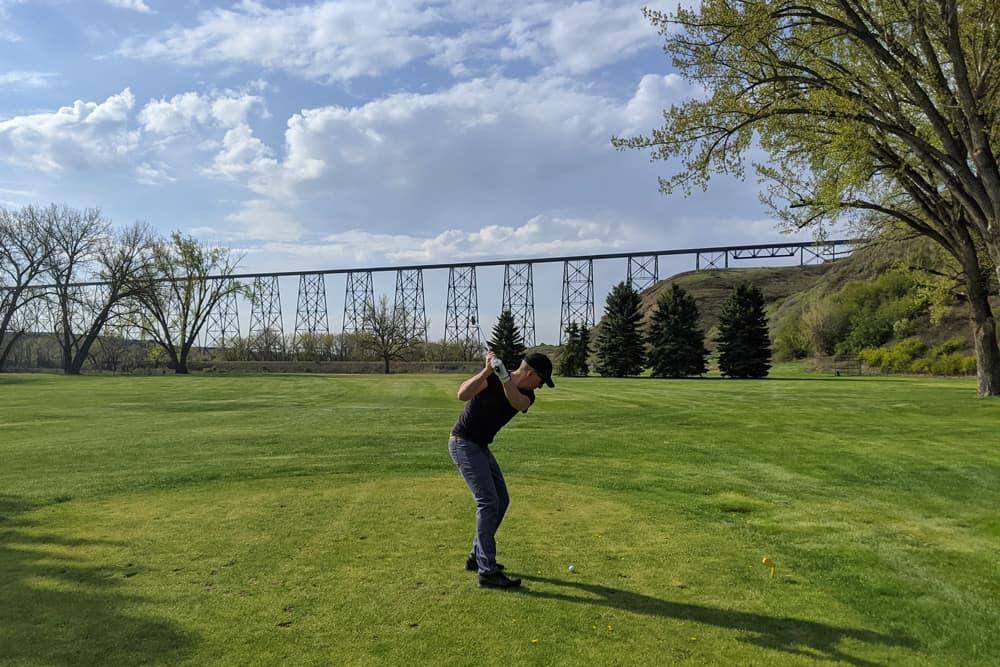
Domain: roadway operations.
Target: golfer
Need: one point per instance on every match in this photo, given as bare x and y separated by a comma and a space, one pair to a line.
491, 400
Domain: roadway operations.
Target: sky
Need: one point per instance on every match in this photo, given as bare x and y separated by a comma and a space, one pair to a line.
345, 134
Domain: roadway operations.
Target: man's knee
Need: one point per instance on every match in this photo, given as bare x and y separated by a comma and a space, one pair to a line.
489, 506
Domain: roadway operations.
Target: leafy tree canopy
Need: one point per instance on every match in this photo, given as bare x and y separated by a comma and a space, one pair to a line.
872, 113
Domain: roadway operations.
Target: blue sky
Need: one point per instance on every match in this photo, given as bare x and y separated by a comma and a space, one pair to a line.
320, 135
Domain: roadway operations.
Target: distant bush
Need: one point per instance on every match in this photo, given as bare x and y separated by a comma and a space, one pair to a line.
790, 341
879, 310
913, 356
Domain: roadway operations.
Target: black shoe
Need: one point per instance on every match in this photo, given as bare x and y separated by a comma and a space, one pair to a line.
498, 580
472, 566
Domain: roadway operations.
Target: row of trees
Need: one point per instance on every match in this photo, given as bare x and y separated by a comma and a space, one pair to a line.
158, 286
95, 290
672, 344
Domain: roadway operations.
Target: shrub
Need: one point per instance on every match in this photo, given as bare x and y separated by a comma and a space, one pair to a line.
969, 365
790, 341
824, 324
878, 310
902, 354
875, 357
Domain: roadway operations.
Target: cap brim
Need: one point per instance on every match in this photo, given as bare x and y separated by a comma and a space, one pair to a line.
549, 382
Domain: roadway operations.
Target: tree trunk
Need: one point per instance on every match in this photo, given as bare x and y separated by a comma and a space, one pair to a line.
984, 334
181, 361
386, 360
6, 345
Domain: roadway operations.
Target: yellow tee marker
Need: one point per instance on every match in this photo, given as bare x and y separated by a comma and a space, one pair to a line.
768, 563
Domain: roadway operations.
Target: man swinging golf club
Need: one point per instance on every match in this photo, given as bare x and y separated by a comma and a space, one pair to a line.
492, 398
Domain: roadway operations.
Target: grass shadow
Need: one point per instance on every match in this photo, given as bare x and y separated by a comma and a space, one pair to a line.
788, 635
61, 609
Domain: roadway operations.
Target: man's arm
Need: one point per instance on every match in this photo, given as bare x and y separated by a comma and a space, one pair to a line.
476, 383
517, 400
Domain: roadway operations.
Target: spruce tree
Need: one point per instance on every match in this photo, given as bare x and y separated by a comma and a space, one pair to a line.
744, 344
676, 342
573, 360
507, 342
619, 342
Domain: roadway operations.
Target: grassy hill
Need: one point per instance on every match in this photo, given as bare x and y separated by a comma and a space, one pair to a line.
711, 288
790, 292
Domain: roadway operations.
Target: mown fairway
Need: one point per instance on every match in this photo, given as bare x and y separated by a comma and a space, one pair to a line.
318, 520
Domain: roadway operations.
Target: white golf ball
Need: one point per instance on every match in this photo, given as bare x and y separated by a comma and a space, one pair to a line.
572, 568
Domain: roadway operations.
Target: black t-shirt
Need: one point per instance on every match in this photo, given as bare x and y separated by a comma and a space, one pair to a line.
486, 413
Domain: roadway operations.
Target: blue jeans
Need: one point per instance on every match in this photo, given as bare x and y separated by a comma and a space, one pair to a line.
482, 475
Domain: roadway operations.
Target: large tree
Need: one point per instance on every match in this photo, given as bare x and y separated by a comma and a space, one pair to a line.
676, 342
121, 256
24, 252
388, 333
744, 343
619, 347
879, 112
75, 237
507, 342
184, 282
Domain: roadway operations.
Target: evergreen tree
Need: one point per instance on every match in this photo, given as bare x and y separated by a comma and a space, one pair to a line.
676, 343
744, 344
619, 342
573, 360
507, 342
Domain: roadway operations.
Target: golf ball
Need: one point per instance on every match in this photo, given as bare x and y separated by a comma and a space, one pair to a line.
572, 568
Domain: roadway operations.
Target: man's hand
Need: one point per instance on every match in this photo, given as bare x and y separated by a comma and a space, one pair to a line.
500, 370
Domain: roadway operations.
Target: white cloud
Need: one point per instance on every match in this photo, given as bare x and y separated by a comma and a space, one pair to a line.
328, 41
579, 38
243, 157
341, 40
609, 33
84, 134
153, 174
135, 5
183, 111
26, 79
644, 110
539, 237
263, 220
476, 136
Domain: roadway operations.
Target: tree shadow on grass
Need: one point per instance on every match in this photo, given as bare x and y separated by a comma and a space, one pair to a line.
59, 608
789, 635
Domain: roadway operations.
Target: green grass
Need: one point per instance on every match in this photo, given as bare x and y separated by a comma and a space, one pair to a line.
317, 520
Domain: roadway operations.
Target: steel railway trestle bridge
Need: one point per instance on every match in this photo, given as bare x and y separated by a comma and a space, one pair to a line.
462, 323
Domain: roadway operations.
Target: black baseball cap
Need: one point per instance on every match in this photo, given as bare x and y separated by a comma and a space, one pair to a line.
541, 365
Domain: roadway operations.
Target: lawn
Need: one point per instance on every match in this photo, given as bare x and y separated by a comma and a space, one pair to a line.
318, 520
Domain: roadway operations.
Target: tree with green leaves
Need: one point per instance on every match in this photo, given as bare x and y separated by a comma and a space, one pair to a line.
573, 358
183, 283
876, 114
676, 342
744, 344
619, 346
507, 342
